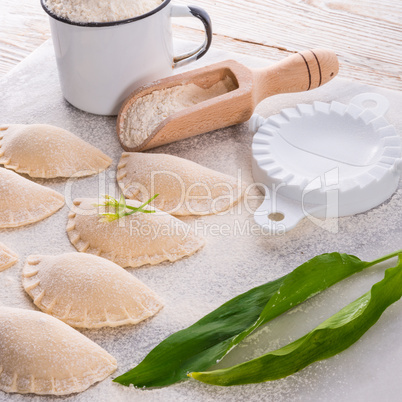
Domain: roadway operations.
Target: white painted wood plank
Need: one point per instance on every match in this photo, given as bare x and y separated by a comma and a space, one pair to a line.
366, 39
366, 34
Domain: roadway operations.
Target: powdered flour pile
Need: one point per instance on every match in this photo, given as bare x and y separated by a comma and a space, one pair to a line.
101, 10
150, 110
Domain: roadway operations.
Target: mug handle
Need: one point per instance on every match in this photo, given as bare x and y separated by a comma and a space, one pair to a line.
193, 11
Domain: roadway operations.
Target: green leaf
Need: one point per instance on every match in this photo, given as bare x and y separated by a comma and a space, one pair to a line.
121, 208
203, 344
140, 208
330, 338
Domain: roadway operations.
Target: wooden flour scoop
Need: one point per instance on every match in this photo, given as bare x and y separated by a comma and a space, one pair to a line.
299, 72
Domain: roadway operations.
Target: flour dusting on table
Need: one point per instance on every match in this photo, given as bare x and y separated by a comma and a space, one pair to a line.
232, 261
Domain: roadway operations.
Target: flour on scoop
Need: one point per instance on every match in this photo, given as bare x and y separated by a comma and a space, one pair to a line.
145, 115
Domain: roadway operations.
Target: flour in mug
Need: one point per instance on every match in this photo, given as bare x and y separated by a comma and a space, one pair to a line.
85, 11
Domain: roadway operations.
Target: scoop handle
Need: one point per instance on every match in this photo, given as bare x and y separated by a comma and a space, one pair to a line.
297, 73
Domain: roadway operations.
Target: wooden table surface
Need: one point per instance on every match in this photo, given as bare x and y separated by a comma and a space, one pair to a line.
366, 34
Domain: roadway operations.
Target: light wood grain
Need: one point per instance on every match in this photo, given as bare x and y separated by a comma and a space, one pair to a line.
366, 34
300, 72
296, 73
23, 27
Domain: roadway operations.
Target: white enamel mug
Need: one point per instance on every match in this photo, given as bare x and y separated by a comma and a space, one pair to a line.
100, 64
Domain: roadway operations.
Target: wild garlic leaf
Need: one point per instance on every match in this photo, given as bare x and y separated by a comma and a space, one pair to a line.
200, 346
328, 339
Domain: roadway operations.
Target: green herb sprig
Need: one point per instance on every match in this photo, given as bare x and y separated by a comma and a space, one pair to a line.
121, 208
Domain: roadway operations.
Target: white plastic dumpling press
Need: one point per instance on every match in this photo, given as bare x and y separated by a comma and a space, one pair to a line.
324, 160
